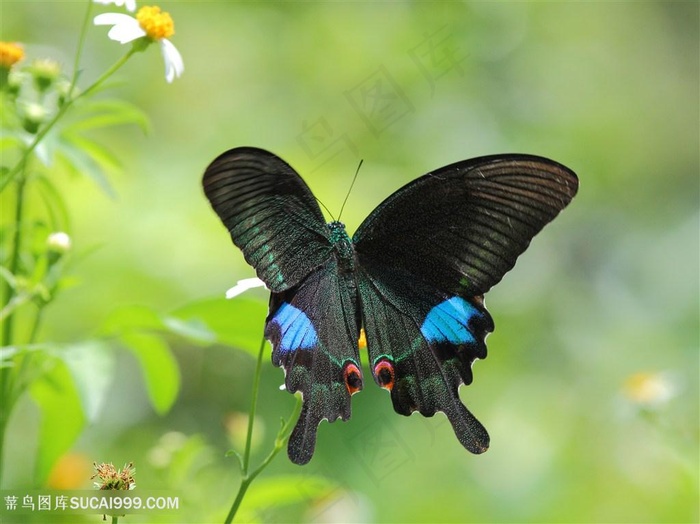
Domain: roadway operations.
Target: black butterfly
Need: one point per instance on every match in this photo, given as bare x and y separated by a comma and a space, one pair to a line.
413, 276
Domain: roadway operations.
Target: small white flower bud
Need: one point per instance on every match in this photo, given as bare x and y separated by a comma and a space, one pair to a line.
59, 242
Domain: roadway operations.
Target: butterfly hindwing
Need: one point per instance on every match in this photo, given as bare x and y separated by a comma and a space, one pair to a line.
462, 226
421, 345
271, 214
314, 329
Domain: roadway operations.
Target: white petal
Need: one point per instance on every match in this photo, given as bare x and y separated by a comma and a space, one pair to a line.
110, 18
125, 28
244, 285
174, 66
130, 4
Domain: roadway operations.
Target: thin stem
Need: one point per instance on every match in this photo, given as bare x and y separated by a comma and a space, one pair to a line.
279, 444
79, 50
280, 441
7, 311
253, 407
245, 482
37, 323
16, 246
7, 332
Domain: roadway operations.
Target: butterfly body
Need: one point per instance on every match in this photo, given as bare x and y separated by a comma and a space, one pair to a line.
413, 276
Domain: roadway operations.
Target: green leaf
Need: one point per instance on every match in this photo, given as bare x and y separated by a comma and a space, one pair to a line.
234, 453
130, 318
104, 113
102, 156
92, 365
143, 318
10, 139
190, 460
62, 418
8, 277
285, 490
7, 353
4, 171
238, 322
193, 329
160, 370
86, 162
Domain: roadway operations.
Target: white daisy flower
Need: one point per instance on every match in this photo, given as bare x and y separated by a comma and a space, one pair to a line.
129, 4
151, 23
244, 285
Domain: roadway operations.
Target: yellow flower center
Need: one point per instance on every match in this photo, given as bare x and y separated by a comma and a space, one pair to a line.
10, 54
157, 24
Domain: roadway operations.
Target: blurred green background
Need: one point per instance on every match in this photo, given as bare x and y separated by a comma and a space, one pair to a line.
590, 390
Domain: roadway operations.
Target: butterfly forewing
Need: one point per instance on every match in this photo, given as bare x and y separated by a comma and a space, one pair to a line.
271, 214
462, 227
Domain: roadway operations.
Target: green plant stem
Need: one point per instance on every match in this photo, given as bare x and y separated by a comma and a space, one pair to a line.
79, 50
248, 478
35, 326
245, 482
7, 334
8, 323
253, 407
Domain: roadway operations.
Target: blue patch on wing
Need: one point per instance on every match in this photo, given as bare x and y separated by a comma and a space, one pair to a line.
449, 322
297, 331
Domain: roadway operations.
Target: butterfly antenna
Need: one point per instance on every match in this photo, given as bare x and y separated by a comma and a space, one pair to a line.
324, 207
350, 190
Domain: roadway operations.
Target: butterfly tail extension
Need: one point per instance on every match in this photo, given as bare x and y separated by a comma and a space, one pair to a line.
470, 432
320, 402
302, 441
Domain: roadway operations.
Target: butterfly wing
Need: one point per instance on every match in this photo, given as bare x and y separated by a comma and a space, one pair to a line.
462, 227
271, 214
428, 254
313, 322
314, 329
421, 344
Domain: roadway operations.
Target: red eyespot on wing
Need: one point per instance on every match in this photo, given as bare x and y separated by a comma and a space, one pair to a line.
384, 371
352, 377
